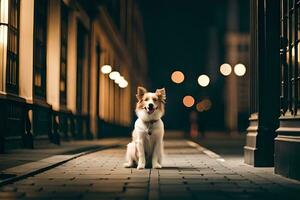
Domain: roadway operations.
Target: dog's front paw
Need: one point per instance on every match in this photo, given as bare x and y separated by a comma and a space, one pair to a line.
141, 165
156, 166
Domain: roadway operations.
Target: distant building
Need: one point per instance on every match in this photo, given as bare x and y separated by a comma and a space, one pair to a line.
236, 88
51, 53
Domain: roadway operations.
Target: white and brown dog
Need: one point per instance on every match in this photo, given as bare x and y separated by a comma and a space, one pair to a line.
146, 148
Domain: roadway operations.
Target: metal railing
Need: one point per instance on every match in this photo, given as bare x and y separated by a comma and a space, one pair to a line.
289, 56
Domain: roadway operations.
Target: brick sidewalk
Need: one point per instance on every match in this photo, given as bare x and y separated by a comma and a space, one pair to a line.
186, 174
17, 157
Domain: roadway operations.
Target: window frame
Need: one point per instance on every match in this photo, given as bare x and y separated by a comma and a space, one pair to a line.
12, 54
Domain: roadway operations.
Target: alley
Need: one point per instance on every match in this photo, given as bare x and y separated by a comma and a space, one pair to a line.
78, 77
189, 172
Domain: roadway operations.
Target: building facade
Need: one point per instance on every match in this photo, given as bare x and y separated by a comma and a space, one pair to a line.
51, 84
273, 137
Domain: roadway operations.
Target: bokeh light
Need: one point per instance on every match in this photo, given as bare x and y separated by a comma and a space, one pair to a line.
123, 84
188, 101
177, 77
203, 80
200, 107
119, 79
225, 69
207, 104
240, 69
114, 75
106, 69
204, 105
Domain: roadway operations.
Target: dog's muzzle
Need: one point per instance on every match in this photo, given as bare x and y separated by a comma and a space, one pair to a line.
150, 109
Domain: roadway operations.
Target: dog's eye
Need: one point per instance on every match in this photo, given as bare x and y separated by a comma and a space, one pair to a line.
154, 99
146, 99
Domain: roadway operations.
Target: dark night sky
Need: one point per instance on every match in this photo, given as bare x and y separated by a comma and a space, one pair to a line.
187, 36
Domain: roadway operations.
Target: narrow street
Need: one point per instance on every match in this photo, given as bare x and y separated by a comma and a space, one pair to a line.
219, 80
189, 172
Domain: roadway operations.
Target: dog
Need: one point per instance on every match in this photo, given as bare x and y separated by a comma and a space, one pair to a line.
146, 147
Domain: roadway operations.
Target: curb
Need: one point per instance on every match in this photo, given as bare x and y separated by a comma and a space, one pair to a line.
52, 165
204, 150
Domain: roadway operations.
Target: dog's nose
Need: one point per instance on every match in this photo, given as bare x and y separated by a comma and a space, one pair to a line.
150, 105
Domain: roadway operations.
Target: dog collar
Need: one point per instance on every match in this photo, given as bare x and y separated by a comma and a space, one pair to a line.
149, 124
152, 121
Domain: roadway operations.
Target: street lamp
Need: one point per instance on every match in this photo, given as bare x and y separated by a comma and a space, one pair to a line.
106, 69
203, 80
119, 79
177, 77
123, 83
239, 69
114, 75
3, 40
225, 69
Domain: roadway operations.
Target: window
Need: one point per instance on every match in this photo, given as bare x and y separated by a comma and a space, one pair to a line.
81, 36
98, 58
290, 55
63, 54
40, 41
12, 67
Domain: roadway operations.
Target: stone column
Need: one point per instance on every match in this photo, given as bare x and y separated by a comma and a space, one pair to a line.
265, 83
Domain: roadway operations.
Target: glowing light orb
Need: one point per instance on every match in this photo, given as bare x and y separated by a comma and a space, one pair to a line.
106, 69
203, 80
207, 104
188, 101
225, 69
240, 69
123, 84
177, 77
119, 79
204, 105
200, 107
114, 75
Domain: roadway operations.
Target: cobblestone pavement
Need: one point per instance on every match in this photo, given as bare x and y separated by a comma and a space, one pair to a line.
186, 174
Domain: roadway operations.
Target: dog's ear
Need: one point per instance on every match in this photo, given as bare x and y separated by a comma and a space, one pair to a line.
140, 92
161, 93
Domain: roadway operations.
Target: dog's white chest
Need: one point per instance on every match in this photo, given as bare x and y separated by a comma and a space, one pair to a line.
149, 133
148, 128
